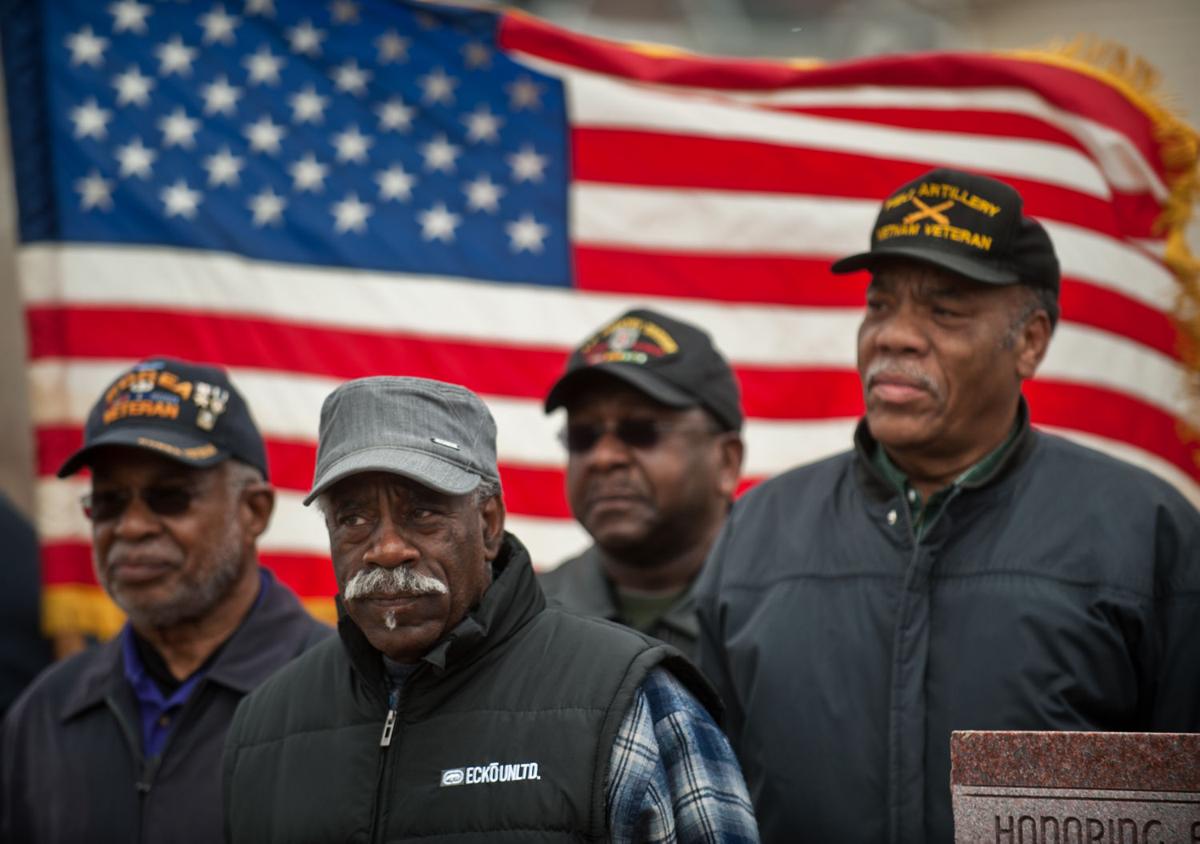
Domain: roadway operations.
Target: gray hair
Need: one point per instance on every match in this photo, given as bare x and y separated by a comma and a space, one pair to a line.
1034, 299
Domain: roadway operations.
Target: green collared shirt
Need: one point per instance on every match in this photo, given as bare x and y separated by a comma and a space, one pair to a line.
924, 514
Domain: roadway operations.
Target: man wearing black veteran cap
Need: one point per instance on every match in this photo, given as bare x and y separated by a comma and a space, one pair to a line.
957, 569
454, 705
653, 456
123, 742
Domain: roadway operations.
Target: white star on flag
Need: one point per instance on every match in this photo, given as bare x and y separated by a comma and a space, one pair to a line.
264, 135
476, 55
175, 57
440, 154
94, 192
352, 145
306, 39
438, 223
351, 214
526, 234
267, 207
308, 106
135, 159
438, 87
90, 120
220, 97
308, 174
349, 78
180, 200
483, 194
219, 26
395, 183
132, 87
224, 168
527, 165
263, 67
391, 47
86, 48
178, 129
394, 116
344, 11
266, 8
129, 16
524, 93
482, 125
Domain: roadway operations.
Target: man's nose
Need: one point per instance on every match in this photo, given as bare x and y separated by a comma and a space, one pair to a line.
609, 450
903, 330
390, 547
137, 520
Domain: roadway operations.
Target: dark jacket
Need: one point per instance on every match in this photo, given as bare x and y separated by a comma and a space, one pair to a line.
503, 732
580, 585
72, 767
1061, 592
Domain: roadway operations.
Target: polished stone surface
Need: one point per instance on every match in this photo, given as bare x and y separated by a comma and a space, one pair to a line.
1056, 787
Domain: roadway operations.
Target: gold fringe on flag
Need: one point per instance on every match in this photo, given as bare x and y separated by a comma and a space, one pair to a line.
1179, 152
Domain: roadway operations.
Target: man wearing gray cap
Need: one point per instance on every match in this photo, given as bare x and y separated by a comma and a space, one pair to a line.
453, 703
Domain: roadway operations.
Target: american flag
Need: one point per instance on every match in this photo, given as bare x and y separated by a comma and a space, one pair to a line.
307, 192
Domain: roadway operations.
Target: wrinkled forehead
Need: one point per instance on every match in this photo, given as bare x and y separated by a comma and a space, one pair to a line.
924, 281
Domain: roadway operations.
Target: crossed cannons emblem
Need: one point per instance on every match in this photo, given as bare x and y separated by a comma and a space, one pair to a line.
930, 211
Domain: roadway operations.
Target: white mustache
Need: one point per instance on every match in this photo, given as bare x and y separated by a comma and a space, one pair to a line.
401, 582
883, 366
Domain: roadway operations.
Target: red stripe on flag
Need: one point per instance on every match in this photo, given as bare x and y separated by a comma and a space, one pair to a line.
622, 156
1059, 84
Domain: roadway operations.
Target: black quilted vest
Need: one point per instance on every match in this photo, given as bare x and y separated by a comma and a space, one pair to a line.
503, 733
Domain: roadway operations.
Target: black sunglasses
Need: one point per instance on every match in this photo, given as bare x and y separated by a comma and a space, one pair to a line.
645, 434
162, 500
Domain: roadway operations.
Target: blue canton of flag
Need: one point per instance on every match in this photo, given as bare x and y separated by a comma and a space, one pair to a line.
367, 134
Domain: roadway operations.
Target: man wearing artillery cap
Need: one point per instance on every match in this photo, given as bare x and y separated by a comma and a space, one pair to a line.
123, 742
453, 704
956, 569
654, 448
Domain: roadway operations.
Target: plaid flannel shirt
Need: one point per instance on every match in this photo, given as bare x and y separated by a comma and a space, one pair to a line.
673, 776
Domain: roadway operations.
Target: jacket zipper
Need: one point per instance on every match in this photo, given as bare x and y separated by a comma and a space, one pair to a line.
395, 697
147, 768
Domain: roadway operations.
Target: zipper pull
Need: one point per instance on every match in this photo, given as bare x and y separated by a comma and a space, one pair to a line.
388, 726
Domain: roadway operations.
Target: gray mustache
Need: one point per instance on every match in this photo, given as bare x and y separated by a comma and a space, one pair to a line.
399, 582
905, 370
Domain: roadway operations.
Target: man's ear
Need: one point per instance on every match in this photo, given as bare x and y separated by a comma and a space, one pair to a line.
731, 452
1032, 343
257, 505
491, 514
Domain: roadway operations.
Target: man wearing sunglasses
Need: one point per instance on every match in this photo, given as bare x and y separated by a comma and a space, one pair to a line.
653, 456
454, 705
123, 742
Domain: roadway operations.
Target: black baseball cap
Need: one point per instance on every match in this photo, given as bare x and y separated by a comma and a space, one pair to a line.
969, 224
184, 411
671, 361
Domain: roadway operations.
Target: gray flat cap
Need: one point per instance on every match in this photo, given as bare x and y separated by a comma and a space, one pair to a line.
438, 434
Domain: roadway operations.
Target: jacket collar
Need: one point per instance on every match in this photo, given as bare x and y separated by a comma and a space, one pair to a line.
265, 639
588, 591
882, 488
508, 604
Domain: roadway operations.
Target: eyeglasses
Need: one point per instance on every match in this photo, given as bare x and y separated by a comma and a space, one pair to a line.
162, 500
644, 434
